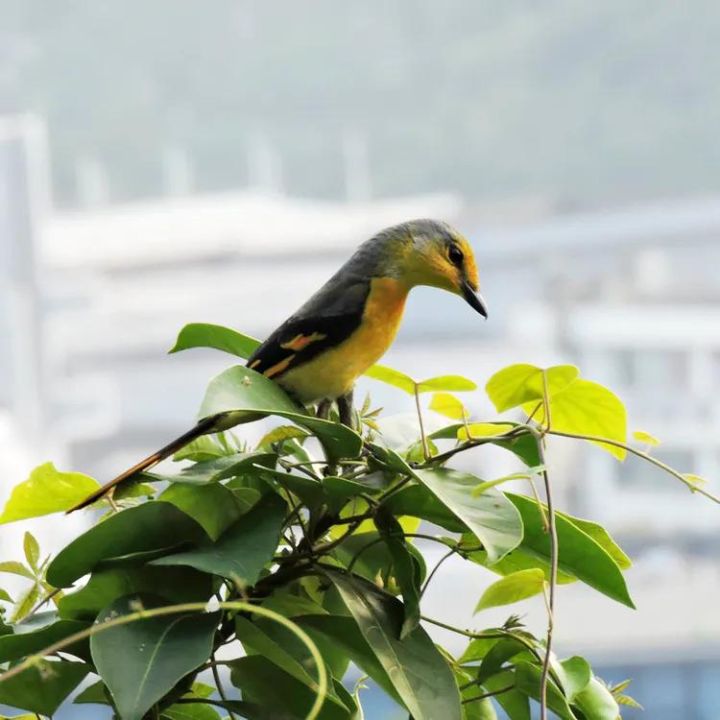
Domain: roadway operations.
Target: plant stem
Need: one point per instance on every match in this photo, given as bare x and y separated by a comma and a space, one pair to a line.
426, 450
645, 456
218, 684
488, 694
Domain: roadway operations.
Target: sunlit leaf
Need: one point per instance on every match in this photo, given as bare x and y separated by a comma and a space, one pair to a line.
393, 377
278, 434
26, 602
447, 383
205, 335
448, 405
4, 597
519, 384
15, 568
512, 588
587, 408
646, 438
694, 480
476, 431
32, 550
46, 491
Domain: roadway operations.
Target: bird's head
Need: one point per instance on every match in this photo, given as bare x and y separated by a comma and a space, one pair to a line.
430, 252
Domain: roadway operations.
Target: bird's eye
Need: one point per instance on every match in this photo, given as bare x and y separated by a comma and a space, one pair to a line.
455, 254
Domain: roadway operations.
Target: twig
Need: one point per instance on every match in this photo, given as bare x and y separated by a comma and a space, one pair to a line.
639, 453
219, 685
552, 531
426, 449
488, 694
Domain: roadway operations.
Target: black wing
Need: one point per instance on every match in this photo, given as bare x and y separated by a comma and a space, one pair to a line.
331, 316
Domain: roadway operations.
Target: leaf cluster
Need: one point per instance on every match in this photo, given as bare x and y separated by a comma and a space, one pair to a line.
295, 558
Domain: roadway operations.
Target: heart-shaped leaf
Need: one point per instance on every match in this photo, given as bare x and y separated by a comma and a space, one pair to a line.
46, 491
518, 384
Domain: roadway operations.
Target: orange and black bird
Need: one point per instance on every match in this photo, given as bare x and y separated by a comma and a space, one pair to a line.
318, 353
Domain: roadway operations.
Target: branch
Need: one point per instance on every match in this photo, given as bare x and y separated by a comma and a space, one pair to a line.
639, 453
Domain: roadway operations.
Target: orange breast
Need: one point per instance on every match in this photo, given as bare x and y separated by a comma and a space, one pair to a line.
333, 373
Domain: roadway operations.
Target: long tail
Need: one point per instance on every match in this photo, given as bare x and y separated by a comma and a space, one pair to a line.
202, 428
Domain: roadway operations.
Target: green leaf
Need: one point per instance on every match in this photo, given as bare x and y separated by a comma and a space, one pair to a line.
575, 674
448, 405
418, 672
147, 527
523, 445
446, 383
29, 638
265, 684
579, 554
15, 568
280, 647
211, 506
596, 702
46, 491
587, 408
518, 384
141, 661
502, 651
527, 681
491, 517
343, 633
204, 448
405, 569
513, 702
217, 337
208, 472
393, 377
512, 588
241, 395
190, 712
95, 694
279, 434
4, 597
43, 687
243, 550
28, 600
602, 537
176, 584
32, 550
419, 502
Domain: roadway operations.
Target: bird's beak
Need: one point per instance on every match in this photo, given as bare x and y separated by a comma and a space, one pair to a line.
474, 299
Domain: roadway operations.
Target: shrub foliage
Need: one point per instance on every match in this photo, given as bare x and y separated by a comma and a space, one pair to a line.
245, 584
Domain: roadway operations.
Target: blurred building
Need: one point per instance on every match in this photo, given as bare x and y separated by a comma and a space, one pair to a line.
91, 301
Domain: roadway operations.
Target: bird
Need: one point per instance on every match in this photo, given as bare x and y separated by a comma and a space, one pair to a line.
318, 353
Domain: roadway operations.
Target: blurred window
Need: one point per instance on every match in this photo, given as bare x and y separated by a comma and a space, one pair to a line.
638, 474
